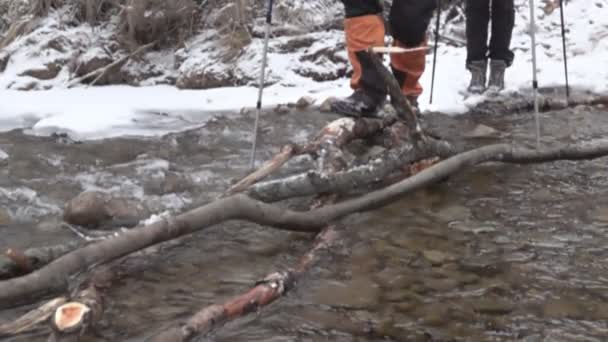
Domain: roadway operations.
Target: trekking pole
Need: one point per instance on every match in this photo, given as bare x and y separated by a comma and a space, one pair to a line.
261, 85
561, 9
534, 79
435, 51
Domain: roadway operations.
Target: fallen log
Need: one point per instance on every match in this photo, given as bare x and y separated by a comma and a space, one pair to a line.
31, 319
338, 133
77, 317
276, 284
54, 276
314, 182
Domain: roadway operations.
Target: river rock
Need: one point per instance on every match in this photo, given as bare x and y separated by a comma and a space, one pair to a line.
45, 72
304, 102
326, 105
93, 209
482, 131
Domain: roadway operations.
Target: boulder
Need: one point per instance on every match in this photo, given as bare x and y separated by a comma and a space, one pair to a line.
46, 72
93, 209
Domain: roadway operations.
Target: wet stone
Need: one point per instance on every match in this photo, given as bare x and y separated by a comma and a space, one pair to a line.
93, 209
326, 105
304, 102
482, 131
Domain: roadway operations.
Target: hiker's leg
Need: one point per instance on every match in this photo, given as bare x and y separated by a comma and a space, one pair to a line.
364, 28
409, 21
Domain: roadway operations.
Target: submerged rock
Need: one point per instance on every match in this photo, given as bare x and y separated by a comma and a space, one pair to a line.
93, 209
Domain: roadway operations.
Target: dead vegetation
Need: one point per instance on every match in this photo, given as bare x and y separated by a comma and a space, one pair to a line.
140, 22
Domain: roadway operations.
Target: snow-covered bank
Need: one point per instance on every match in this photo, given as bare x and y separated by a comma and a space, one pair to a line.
109, 111
99, 112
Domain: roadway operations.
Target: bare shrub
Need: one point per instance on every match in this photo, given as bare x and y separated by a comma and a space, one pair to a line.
162, 21
41, 8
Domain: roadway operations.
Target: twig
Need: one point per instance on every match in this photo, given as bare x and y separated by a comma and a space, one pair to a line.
101, 72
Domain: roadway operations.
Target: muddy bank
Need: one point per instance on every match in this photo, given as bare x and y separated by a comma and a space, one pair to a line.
498, 253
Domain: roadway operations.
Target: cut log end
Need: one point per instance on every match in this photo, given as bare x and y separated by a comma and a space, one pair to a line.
70, 317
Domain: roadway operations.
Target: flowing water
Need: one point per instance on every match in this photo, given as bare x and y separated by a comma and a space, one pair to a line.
495, 253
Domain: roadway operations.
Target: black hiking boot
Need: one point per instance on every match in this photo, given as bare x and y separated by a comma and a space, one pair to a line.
497, 76
360, 103
478, 71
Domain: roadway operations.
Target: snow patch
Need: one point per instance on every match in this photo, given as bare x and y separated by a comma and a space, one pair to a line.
101, 112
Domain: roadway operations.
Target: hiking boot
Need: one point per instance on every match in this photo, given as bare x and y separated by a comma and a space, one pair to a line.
497, 75
360, 103
478, 71
413, 100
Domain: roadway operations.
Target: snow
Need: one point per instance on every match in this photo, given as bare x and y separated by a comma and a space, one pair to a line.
109, 111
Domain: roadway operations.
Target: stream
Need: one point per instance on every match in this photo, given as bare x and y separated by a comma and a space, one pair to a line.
495, 253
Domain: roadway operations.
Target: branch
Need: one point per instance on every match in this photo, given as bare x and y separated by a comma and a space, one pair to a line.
400, 102
99, 73
314, 182
54, 276
337, 133
26, 322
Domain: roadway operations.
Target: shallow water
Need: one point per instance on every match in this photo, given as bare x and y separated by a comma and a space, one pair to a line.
495, 253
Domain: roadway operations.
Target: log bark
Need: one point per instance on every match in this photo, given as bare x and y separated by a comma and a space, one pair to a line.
336, 134
54, 276
31, 319
314, 182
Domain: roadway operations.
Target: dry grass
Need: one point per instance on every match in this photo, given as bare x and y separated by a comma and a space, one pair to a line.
168, 22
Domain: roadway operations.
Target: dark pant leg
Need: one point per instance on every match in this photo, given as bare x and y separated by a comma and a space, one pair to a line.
478, 17
409, 20
356, 8
503, 20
